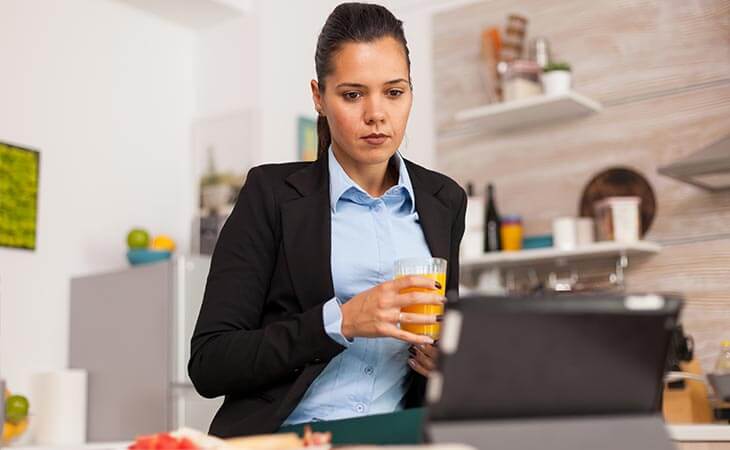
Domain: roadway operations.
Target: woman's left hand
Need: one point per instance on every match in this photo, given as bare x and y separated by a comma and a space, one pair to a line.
423, 358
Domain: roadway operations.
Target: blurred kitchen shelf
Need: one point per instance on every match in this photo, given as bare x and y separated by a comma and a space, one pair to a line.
529, 111
543, 256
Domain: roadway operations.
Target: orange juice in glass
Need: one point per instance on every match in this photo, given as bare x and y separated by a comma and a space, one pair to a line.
434, 268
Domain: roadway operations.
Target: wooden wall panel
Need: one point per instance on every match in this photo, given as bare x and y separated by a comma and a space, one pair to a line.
701, 272
619, 49
662, 71
561, 158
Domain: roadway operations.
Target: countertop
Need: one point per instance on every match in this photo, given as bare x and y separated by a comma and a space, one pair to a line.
678, 433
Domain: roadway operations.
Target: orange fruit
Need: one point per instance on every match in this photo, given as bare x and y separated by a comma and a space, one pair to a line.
163, 242
12, 431
21, 427
8, 432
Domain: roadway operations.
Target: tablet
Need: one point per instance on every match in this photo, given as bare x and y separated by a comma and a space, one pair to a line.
567, 355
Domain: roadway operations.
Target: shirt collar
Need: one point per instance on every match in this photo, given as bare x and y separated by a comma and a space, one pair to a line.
340, 182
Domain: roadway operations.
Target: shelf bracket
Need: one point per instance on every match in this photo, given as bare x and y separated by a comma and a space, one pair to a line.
490, 281
618, 277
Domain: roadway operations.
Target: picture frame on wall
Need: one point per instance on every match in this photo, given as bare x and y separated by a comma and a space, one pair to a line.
307, 138
19, 181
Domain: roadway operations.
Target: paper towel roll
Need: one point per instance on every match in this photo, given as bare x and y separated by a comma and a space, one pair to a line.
59, 407
474, 214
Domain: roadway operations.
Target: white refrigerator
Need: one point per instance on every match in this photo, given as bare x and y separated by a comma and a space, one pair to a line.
131, 331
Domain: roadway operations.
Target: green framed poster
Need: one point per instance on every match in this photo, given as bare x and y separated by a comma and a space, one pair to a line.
307, 138
19, 172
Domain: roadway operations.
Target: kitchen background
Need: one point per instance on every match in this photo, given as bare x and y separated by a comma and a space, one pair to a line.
125, 98
661, 70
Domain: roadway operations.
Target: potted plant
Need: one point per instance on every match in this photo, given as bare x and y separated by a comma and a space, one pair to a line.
556, 78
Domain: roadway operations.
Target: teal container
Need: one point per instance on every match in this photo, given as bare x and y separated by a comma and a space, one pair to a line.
144, 256
542, 241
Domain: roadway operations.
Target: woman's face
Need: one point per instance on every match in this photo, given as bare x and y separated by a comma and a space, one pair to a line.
367, 100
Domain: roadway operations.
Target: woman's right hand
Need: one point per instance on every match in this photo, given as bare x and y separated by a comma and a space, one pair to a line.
377, 311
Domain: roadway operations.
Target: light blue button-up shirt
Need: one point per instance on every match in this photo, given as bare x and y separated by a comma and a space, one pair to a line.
368, 236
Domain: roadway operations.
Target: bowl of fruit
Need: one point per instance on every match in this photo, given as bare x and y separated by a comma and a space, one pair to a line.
143, 250
16, 417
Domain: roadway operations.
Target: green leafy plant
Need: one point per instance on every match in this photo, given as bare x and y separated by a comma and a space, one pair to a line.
213, 179
18, 196
558, 65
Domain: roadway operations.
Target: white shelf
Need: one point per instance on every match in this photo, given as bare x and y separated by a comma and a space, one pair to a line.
699, 433
529, 111
542, 256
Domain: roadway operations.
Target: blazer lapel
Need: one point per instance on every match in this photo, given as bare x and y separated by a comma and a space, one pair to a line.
434, 216
306, 230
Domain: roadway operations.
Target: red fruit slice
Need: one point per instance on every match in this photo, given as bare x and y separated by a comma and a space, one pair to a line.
186, 444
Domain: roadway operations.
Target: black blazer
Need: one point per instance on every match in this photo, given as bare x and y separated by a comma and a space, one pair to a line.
260, 338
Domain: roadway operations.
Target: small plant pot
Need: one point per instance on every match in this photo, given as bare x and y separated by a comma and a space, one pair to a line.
557, 82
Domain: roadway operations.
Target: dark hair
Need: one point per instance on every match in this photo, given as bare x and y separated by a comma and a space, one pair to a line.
351, 22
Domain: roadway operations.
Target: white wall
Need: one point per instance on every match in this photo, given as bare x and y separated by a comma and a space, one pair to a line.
420, 141
107, 94
226, 67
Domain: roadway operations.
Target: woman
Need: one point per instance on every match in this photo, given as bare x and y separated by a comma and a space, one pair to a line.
300, 315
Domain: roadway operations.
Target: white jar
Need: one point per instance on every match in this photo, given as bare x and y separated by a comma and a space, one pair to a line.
565, 235
521, 80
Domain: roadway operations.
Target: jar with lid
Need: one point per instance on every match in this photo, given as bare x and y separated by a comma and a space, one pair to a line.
511, 233
521, 80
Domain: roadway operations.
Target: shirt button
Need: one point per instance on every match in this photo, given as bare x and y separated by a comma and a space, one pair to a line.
360, 408
369, 370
